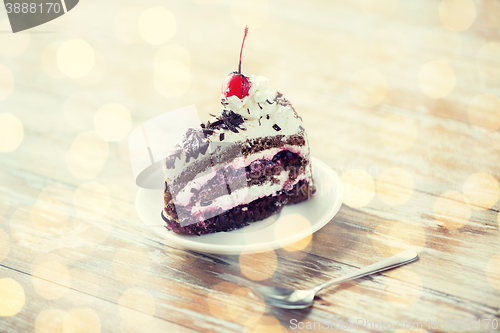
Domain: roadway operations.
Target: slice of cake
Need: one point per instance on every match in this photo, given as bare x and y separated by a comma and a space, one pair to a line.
242, 166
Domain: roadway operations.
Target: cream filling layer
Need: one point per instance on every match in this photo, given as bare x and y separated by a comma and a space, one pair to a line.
184, 196
246, 195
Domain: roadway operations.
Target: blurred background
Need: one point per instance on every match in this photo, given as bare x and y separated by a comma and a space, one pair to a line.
402, 98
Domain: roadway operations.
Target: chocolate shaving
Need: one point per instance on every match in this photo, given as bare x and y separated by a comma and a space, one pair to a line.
202, 125
195, 191
207, 131
216, 124
276, 127
206, 203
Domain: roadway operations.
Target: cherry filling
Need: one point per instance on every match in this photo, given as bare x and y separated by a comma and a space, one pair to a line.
229, 179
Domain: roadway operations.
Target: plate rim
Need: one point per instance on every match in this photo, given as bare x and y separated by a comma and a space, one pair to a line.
186, 243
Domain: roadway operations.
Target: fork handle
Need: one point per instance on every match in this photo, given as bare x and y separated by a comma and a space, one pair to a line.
399, 259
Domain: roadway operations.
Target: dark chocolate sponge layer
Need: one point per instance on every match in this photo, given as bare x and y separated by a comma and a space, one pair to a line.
242, 215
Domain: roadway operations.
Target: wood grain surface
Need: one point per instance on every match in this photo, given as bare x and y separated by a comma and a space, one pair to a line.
401, 98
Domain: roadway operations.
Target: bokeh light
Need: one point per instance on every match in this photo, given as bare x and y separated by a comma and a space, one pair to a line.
254, 13
87, 155
172, 70
221, 302
382, 8
4, 245
11, 131
6, 82
457, 15
112, 122
484, 111
368, 87
258, 266
452, 210
157, 25
442, 44
289, 225
12, 297
359, 188
75, 58
51, 279
49, 215
12, 45
79, 110
136, 306
403, 287
81, 321
95, 74
49, 61
482, 190
394, 186
436, 79
92, 201
50, 321
493, 271
126, 24
489, 12
392, 237
488, 60
398, 132
125, 263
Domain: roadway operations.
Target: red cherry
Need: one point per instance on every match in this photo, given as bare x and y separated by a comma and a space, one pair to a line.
237, 84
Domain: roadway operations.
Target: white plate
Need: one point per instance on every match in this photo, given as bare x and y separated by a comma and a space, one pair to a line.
294, 223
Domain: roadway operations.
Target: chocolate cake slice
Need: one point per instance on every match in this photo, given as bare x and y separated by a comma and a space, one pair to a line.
242, 166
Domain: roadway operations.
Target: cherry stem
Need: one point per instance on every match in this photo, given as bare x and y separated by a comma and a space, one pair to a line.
241, 51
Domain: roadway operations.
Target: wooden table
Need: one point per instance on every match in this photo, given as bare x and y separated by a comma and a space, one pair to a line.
402, 99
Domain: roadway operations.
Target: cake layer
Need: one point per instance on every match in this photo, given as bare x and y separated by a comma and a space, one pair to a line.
233, 185
182, 190
249, 150
244, 214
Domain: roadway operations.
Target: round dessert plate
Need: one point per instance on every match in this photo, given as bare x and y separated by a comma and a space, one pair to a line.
294, 223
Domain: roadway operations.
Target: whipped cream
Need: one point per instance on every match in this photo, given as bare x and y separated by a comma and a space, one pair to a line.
259, 102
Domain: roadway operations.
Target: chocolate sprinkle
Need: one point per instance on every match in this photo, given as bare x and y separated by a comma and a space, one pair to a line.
260, 119
268, 101
276, 127
221, 137
208, 132
248, 110
259, 106
267, 116
216, 124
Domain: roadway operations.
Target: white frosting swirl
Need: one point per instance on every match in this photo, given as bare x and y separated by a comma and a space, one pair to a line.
259, 93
